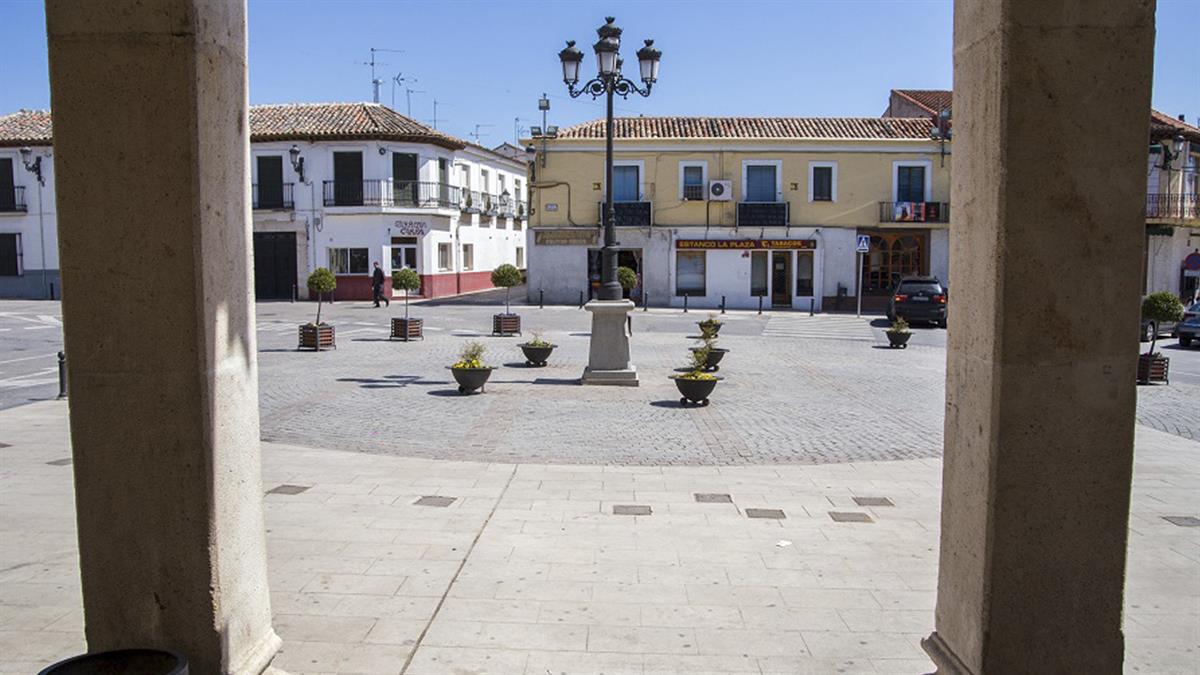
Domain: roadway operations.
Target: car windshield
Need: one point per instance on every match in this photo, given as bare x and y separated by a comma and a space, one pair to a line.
914, 287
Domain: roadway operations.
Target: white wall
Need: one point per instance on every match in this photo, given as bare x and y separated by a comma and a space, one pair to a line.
35, 257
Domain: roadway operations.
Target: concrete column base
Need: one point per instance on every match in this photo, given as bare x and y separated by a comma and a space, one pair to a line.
608, 354
943, 657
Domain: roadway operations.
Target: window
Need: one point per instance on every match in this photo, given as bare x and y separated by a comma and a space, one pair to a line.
520, 256
910, 183
626, 183
689, 273
349, 261
10, 255
804, 273
444, 261
268, 191
347, 179
468, 256
483, 180
762, 183
404, 178
8, 190
758, 274
692, 180
822, 181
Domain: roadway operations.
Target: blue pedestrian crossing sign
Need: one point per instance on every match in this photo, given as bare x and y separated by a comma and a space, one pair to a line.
864, 244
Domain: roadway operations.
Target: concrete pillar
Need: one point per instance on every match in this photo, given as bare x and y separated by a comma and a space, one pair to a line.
1050, 107
151, 153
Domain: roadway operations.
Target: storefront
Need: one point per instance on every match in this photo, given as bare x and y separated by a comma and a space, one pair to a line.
781, 273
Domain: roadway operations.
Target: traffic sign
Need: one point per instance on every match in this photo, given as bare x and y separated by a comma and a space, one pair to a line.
864, 244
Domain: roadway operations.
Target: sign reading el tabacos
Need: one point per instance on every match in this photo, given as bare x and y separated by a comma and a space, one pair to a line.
579, 237
744, 244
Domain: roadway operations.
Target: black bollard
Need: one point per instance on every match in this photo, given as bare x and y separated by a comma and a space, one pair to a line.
62, 375
645, 301
685, 297
541, 299
722, 304
810, 306
295, 291
580, 299
52, 291
629, 322
760, 304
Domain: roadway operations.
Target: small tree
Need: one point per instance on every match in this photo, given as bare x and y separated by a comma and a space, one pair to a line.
321, 281
1161, 307
406, 280
627, 278
506, 276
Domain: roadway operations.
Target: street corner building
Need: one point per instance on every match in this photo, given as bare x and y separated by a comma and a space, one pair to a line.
336, 185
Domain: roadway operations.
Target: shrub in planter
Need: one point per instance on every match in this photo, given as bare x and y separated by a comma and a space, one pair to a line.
711, 352
898, 334
1158, 308
709, 326
627, 278
506, 276
536, 351
406, 280
317, 335
469, 370
694, 384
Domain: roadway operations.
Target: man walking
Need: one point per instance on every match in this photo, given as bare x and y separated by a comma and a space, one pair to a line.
377, 286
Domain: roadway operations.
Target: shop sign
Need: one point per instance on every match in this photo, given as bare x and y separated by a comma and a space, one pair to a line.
746, 244
565, 237
410, 228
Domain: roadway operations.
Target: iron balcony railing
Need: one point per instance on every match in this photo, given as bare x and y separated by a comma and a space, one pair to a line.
13, 199
471, 201
914, 212
763, 214
1172, 206
389, 193
489, 203
272, 196
628, 214
693, 192
522, 210
424, 195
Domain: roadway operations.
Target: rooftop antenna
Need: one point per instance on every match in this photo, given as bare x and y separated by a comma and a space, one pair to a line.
435, 117
475, 134
400, 79
408, 97
517, 129
375, 82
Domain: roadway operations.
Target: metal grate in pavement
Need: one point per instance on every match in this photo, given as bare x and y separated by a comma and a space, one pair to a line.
774, 514
1183, 521
850, 517
873, 501
712, 498
631, 510
286, 489
441, 502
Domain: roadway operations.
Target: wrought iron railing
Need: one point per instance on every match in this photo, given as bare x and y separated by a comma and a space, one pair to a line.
425, 195
763, 214
1172, 206
410, 194
628, 214
13, 200
693, 192
914, 212
272, 196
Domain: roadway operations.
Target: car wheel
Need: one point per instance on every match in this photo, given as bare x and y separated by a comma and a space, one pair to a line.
1185, 341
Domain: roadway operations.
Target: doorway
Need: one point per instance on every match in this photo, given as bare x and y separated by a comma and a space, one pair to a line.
630, 257
781, 279
274, 265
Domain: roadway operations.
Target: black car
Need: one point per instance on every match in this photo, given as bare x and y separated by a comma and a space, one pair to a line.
918, 299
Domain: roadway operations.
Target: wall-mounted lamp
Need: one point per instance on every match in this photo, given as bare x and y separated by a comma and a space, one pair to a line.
297, 161
1169, 154
941, 131
32, 165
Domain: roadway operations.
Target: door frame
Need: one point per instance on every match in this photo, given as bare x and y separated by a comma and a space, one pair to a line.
776, 294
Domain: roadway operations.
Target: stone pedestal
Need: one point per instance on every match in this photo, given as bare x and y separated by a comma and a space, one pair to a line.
608, 354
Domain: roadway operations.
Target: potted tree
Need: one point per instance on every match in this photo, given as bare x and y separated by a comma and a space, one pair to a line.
469, 370
406, 329
506, 276
711, 325
693, 383
1158, 308
627, 278
898, 334
536, 351
318, 335
712, 353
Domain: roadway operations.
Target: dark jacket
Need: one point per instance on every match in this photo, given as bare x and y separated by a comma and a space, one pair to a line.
377, 277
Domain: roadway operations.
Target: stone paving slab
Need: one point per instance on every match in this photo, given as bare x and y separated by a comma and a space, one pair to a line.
527, 571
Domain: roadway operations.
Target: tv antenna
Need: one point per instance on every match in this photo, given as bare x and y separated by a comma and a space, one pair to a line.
400, 79
408, 97
475, 134
436, 103
517, 129
375, 82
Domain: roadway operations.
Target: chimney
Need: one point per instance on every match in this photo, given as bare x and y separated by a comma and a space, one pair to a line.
1182, 118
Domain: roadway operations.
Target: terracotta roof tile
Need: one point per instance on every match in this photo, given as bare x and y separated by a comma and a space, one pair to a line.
874, 128
933, 100
25, 127
1163, 126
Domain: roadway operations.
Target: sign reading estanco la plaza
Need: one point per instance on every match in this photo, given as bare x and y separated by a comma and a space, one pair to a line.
746, 244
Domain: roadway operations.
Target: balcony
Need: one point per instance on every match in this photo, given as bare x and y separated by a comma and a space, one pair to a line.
1185, 207
390, 194
13, 200
277, 197
762, 214
523, 210
914, 212
693, 193
628, 214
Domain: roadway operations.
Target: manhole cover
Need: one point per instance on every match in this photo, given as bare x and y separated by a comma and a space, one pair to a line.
776, 514
850, 517
60, 462
630, 510
713, 498
1183, 521
873, 501
287, 489
435, 501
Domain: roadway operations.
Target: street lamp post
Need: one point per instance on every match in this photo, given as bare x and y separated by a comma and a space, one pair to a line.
608, 353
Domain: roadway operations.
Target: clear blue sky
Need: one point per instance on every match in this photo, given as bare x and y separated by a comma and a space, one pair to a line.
487, 62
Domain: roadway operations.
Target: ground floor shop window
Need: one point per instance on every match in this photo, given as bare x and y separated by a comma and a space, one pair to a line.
892, 257
10, 255
468, 256
520, 256
444, 261
804, 274
349, 261
689, 272
758, 274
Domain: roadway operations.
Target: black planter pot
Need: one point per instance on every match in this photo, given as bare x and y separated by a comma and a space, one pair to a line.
898, 340
715, 354
471, 379
695, 391
536, 356
126, 661
714, 326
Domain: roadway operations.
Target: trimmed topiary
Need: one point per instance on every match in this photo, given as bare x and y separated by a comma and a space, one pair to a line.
506, 276
407, 280
627, 278
321, 281
1161, 307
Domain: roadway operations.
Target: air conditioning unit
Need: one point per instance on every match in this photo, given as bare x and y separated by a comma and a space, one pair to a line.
720, 190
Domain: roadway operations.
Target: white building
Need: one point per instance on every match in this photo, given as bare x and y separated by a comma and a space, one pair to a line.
337, 185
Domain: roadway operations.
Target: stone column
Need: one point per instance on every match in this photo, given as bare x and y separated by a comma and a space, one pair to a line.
1051, 107
608, 349
151, 154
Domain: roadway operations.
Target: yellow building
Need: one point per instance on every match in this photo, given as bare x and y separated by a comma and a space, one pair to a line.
739, 209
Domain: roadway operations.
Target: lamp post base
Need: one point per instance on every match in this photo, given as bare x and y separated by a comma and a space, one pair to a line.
608, 353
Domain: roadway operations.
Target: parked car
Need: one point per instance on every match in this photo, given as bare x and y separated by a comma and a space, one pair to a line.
1189, 330
918, 299
1158, 329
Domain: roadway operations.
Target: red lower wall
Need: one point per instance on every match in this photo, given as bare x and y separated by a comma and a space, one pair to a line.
358, 286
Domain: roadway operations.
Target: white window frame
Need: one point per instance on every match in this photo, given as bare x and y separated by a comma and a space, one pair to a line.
464, 247
777, 163
449, 267
329, 259
641, 165
703, 164
519, 255
927, 163
680, 253
833, 179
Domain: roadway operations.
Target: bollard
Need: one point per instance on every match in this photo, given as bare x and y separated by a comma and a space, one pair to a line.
541, 299
52, 291
62, 375
645, 301
580, 299
760, 304
629, 323
685, 297
295, 291
722, 304
810, 306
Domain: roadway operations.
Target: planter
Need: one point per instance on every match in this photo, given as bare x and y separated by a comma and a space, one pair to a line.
536, 356
713, 327
695, 391
471, 379
317, 337
715, 354
407, 329
138, 661
898, 340
1153, 368
506, 324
